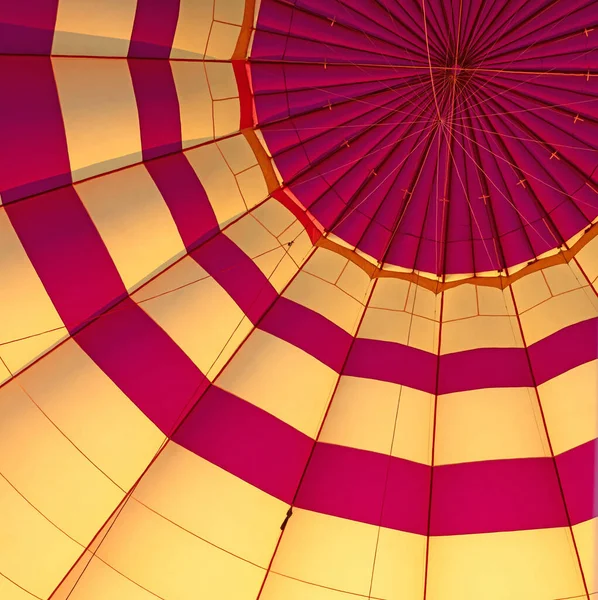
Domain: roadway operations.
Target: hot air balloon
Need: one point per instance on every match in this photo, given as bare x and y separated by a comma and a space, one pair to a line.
299, 299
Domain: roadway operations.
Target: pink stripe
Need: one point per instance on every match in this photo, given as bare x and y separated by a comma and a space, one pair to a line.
498, 495
577, 470
237, 274
158, 107
68, 254
33, 150
247, 442
144, 363
309, 331
27, 27
154, 28
185, 196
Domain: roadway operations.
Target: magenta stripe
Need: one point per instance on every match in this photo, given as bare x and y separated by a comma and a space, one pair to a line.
309, 331
564, 350
577, 470
497, 495
246, 441
185, 196
143, 362
33, 150
68, 254
483, 368
158, 107
27, 27
237, 274
397, 363
154, 28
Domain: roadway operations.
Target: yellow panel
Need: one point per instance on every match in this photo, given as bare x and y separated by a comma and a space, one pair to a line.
460, 302
302, 245
282, 379
229, 11
33, 553
200, 318
237, 152
213, 504
390, 293
197, 122
222, 42
193, 28
275, 217
481, 332
557, 313
49, 471
530, 291
326, 299
253, 186
218, 181
25, 307
413, 439
564, 278
326, 265
10, 591
253, 238
328, 551
100, 114
278, 587
92, 28
586, 539
489, 424
172, 562
535, 565
5, 374
227, 116
93, 412
362, 414
570, 407
423, 302
399, 569
494, 301
134, 222
587, 258
355, 281
222, 80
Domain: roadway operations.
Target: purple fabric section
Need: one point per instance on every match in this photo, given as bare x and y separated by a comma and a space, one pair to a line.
392, 362
27, 27
158, 107
309, 331
483, 368
577, 470
237, 274
144, 362
564, 350
185, 197
68, 254
33, 151
247, 442
154, 28
498, 495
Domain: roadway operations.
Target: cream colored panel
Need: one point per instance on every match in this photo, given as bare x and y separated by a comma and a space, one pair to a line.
489, 424
229, 11
326, 264
93, 412
21, 353
275, 217
586, 538
222, 80
227, 116
218, 181
134, 222
326, 299
213, 504
327, 551
25, 307
559, 312
423, 302
363, 414
49, 471
92, 28
282, 379
10, 591
481, 332
237, 152
222, 41
494, 301
531, 565
253, 186
390, 293
399, 569
100, 114
460, 302
355, 281
33, 553
530, 291
172, 562
278, 587
193, 29
570, 407
587, 258
564, 278
195, 102
200, 317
